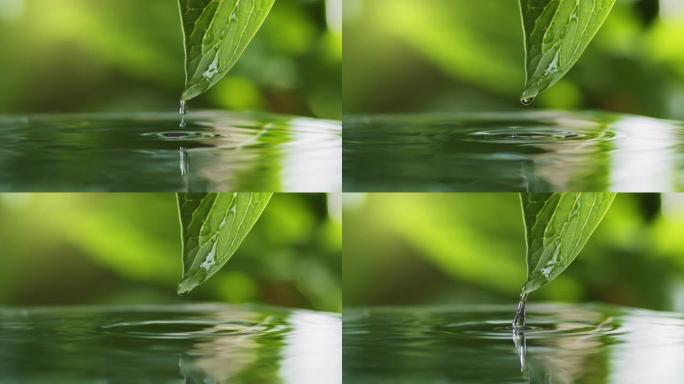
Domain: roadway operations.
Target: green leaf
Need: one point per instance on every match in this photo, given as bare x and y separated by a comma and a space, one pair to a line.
556, 34
557, 226
213, 225
217, 32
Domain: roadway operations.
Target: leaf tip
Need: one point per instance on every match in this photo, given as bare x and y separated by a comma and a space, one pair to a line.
186, 286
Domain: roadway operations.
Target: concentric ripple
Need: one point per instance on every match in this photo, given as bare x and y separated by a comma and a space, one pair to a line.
534, 329
186, 328
477, 344
538, 151
525, 135
213, 151
182, 135
195, 343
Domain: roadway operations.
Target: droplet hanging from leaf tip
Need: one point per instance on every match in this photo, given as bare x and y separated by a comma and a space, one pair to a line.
528, 97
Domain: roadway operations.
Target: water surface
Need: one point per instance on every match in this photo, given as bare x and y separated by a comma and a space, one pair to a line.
477, 344
523, 151
214, 151
169, 344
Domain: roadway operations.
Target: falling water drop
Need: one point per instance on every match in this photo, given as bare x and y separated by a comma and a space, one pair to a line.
183, 112
519, 319
183, 107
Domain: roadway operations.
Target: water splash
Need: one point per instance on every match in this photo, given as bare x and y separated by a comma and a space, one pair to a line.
519, 319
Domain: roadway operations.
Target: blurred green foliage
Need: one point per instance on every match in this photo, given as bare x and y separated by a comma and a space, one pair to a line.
445, 55
127, 55
126, 248
454, 248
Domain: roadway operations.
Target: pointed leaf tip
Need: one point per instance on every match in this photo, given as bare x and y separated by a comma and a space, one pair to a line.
557, 226
557, 32
216, 34
213, 226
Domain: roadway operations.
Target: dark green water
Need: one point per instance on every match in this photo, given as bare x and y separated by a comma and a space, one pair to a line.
169, 344
525, 151
560, 344
215, 151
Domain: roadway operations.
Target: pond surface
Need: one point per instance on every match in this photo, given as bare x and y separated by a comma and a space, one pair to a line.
215, 151
561, 344
169, 344
524, 151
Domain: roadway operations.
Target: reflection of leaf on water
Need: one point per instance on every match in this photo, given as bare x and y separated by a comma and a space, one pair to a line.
250, 354
224, 357
254, 157
568, 359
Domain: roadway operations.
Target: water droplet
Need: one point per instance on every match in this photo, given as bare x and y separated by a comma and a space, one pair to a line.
213, 69
183, 112
528, 96
553, 66
527, 101
210, 260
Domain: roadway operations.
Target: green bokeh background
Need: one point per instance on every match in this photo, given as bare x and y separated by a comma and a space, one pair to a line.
417, 249
457, 55
82, 249
127, 55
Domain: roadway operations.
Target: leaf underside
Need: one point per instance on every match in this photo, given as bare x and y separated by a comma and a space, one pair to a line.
557, 226
217, 32
213, 225
557, 32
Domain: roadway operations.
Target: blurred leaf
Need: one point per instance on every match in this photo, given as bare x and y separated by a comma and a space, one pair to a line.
217, 32
557, 226
556, 34
213, 226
